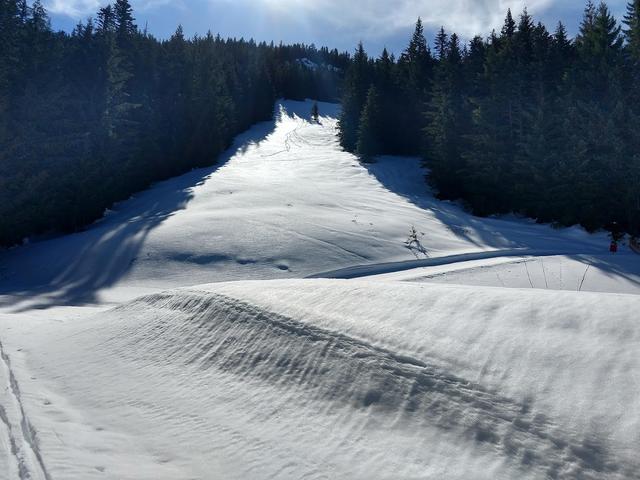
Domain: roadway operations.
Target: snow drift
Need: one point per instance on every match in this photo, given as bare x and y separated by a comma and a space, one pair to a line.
521, 384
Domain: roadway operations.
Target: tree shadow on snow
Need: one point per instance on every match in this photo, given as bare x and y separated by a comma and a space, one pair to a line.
405, 177
71, 269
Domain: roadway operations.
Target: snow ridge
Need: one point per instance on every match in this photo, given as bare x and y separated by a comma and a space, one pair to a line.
213, 331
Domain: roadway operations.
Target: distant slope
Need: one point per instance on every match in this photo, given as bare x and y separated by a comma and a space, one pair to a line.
285, 201
336, 379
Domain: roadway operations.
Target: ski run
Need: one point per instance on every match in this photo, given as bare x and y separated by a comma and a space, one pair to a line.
293, 313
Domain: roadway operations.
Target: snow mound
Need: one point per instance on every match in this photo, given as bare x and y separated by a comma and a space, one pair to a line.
352, 379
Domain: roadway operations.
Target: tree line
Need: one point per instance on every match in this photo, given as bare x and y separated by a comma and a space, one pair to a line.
526, 120
89, 117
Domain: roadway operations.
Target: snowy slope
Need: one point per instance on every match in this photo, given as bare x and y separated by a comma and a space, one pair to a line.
381, 372
336, 379
285, 201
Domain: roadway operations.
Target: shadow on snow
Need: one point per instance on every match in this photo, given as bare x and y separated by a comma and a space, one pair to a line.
85, 262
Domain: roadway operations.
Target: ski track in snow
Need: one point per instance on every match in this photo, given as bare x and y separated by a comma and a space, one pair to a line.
20, 434
392, 267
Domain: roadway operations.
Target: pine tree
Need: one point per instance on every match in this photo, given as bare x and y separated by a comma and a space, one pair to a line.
442, 42
417, 57
106, 20
415, 72
632, 140
509, 27
561, 55
448, 122
370, 127
354, 97
388, 92
632, 31
124, 21
594, 119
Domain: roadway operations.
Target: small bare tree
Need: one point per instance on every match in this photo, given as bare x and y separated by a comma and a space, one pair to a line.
413, 243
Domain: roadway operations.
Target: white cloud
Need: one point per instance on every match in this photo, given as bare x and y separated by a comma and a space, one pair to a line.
72, 8
329, 21
82, 8
384, 17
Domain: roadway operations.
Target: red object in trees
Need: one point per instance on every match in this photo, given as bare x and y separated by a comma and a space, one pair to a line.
614, 247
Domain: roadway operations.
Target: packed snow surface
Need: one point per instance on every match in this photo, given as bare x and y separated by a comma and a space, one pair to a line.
177, 339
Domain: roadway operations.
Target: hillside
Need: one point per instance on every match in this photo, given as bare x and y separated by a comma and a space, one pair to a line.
178, 338
284, 201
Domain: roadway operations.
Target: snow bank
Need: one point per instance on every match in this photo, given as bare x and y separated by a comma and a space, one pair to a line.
341, 379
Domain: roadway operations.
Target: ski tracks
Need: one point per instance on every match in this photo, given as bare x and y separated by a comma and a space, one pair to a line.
20, 442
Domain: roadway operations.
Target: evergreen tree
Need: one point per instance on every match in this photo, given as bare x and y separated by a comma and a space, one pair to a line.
632, 140
388, 92
632, 31
417, 58
448, 121
442, 42
370, 127
415, 72
124, 22
106, 20
356, 85
509, 27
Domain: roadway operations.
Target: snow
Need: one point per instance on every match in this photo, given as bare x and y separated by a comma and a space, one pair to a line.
596, 273
177, 337
311, 65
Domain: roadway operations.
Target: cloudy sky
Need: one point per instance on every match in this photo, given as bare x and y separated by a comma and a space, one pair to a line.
335, 23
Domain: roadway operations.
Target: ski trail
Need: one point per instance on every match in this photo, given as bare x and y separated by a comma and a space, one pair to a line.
27, 458
358, 271
584, 278
526, 267
546, 283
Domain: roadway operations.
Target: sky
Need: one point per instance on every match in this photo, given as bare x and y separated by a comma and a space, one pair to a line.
334, 23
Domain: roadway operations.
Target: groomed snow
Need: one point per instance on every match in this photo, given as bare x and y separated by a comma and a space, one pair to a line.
523, 364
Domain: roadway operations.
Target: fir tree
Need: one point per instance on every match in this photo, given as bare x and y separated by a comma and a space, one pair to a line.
124, 21
106, 20
632, 31
442, 41
415, 72
354, 97
509, 27
448, 122
370, 126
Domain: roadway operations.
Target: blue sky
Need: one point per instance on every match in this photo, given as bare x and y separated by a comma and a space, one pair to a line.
335, 23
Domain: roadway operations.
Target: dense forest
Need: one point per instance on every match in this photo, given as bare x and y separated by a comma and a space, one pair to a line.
526, 121
87, 118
